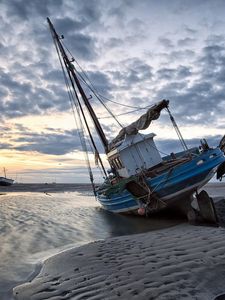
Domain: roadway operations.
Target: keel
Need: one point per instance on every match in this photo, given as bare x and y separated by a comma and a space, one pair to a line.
207, 208
220, 171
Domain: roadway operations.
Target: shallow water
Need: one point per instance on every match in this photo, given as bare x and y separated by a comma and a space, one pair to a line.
35, 226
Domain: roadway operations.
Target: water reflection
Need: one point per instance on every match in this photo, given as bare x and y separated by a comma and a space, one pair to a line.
116, 224
35, 225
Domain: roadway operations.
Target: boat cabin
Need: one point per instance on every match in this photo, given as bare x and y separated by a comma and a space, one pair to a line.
136, 152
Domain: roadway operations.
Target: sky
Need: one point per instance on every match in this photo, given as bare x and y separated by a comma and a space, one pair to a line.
135, 53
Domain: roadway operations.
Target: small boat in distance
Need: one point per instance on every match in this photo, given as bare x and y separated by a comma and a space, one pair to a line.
4, 181
140, 181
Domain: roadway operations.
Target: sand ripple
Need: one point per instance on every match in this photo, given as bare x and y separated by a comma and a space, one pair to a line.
184, 262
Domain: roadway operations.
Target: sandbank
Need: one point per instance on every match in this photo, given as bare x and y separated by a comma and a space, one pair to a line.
183, 262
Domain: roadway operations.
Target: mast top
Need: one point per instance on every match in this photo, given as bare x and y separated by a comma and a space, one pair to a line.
75, 82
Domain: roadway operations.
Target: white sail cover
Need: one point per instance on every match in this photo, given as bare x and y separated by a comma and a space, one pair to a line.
143, 122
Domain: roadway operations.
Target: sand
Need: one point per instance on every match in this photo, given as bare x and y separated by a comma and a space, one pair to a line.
180, 262
45, 187
183, 262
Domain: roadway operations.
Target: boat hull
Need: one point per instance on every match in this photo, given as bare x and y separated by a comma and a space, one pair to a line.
6, 181
171, 187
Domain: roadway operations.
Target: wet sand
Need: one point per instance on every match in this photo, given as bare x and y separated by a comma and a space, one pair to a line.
181, 262
45, 187
38, 225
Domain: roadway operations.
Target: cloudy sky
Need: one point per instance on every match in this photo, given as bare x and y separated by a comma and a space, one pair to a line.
135, 53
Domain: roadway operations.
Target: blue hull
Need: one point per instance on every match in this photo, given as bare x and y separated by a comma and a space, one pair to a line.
171, 186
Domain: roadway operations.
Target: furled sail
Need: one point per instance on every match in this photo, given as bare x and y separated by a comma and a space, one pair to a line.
143, 122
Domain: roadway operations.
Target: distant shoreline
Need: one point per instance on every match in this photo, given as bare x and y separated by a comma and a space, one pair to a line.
71, 187
46, 187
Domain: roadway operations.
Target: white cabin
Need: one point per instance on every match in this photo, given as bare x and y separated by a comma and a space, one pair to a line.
135, 153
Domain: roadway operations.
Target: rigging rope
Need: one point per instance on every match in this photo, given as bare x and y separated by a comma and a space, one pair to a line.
74, 81
81, 130
177, 130
124, 105
122, 114
96, 95
73, 75
101, 96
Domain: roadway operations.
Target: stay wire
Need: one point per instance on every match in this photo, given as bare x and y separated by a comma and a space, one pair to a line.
122, 114
102, 96
86, 123
98, 96
91, 87
80, 127
177, 130
99, 99
80, 131
71, 74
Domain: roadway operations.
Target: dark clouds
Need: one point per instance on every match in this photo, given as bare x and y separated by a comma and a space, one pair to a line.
133, 72
168, 146
195, 88
22, 98
51, 141
30, 82
25, 9
48, 142
167, 43
185, 42
113, 41
55, 144
100, 81
5, 146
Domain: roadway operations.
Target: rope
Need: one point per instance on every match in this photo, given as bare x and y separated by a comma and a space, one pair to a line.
122, 114
85, 74
177, 130
81, 131
96, 95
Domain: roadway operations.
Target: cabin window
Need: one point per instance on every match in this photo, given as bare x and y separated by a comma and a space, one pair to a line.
119, 163
116, 163
113, 164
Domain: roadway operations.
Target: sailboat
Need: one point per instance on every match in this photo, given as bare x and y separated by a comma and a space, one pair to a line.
4, 181
141, 181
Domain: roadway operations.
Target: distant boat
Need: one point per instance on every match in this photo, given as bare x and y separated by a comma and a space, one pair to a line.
140, 181
4, 181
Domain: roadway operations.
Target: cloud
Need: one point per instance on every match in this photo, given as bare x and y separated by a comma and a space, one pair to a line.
134, 52
68, 25
166, 73
48, 143
190, 31
100, 81
5, 146
82, 44
185, 42
167, 43
25, 9
168, 146
183, 72
51, 140
133, 72
197, 93
113, 43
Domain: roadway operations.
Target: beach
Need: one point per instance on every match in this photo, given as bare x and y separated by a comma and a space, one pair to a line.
83, 252
182, 262
39, 221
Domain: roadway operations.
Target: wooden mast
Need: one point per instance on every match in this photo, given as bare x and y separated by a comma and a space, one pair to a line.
71, 69
4, 171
